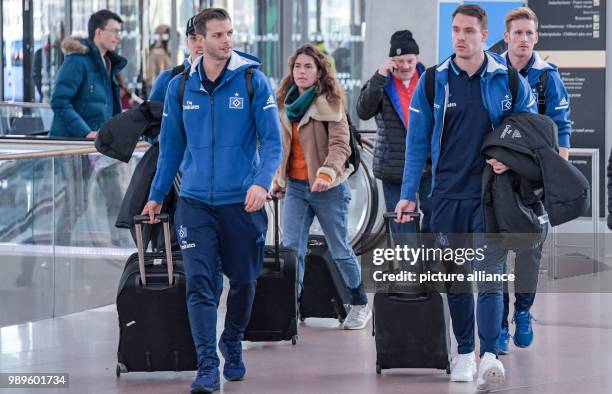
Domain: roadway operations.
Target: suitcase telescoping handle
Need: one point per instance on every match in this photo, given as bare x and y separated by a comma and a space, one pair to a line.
276, 233
388, 216
164, 218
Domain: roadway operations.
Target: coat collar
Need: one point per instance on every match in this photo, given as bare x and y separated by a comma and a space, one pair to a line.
320, 110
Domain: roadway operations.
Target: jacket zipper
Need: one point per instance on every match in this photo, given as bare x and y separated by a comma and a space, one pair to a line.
212, 115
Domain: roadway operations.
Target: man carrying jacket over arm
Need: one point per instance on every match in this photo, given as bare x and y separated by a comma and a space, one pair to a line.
553, 100
224, 187
472, 95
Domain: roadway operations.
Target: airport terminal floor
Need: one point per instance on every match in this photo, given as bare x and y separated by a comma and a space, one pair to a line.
571, 353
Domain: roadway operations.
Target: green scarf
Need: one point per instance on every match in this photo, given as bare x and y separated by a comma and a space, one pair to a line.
296, 105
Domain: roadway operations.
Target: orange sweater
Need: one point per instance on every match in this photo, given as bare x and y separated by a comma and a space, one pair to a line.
298, 169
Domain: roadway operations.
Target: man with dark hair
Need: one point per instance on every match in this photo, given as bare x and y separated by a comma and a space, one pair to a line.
521, 35
86, 92
472, 96
209, 114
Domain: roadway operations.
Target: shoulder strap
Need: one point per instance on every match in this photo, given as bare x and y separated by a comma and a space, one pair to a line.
430, 85
542, 92
177, 70
249, 83
513, 81
181, 92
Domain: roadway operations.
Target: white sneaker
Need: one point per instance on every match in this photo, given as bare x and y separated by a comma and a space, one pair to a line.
463, 367
491, 373
357, 318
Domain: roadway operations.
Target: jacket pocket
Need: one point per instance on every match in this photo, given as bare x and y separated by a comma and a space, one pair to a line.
233, 169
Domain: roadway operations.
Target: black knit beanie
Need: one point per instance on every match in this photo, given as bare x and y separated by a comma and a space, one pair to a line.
402, 43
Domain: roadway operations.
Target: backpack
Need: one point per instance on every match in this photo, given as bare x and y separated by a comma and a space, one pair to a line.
430, 84
354, 143
541, 88
177, 70
356, 146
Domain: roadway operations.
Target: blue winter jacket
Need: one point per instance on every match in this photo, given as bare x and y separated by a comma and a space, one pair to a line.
557, 98
220, 131
426, 124
84, 96
158, 91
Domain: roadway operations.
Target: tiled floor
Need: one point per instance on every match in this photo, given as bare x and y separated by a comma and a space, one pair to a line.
572, 353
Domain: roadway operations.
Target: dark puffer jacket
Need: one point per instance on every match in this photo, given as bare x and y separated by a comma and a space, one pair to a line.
610, 191
84, 96
378, 99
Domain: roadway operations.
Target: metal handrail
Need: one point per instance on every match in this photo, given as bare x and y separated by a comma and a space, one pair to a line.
60, 153
24, 105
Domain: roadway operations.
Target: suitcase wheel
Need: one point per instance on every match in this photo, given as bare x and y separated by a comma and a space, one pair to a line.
448, 369
302, 318
294, 340
120, 368
378, 369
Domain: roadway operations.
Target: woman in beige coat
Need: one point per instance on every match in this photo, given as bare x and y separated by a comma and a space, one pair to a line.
313, 172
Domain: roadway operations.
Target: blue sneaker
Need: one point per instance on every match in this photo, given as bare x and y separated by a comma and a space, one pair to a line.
503, 346
523, 335
206, 381
234, 368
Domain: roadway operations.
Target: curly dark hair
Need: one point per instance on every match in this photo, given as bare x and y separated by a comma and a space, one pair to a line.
326, 84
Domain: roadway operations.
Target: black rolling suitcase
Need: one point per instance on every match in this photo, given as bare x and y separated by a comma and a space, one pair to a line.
325, 293
411, 328
154, 333
274, 313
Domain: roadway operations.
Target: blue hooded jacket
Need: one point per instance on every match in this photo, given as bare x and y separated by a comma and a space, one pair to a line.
557, 98
158, 91
221, 131
84, 96
426, 124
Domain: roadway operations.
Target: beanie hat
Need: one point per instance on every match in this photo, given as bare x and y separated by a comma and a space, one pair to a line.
402, 43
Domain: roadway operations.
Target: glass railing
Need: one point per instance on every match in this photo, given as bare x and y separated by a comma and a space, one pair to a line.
25, 118
59, 250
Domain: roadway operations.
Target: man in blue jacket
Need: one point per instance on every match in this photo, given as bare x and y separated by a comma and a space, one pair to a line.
195, 44
472, 95
86, 92
521, 36
224, 187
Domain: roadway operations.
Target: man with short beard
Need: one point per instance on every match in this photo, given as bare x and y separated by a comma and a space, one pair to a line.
223, 190
472, 96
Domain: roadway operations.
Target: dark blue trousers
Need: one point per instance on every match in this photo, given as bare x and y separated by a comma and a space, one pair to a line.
458, 218
205, 233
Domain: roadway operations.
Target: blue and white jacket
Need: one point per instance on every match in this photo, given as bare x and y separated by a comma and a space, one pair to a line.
426, 124
557, 98
158, 91
221, 131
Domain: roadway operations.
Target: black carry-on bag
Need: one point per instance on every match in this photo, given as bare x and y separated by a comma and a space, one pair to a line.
274, 313
325, 293
411, 328
154, 332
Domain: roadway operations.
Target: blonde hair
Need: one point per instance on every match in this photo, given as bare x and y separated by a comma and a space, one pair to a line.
521, 13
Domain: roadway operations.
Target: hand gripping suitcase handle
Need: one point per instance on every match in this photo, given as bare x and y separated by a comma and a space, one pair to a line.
165, 219
388, 216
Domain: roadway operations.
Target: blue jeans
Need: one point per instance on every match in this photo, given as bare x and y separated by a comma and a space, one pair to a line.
331, 208
205, 233
465, 217
392, 193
